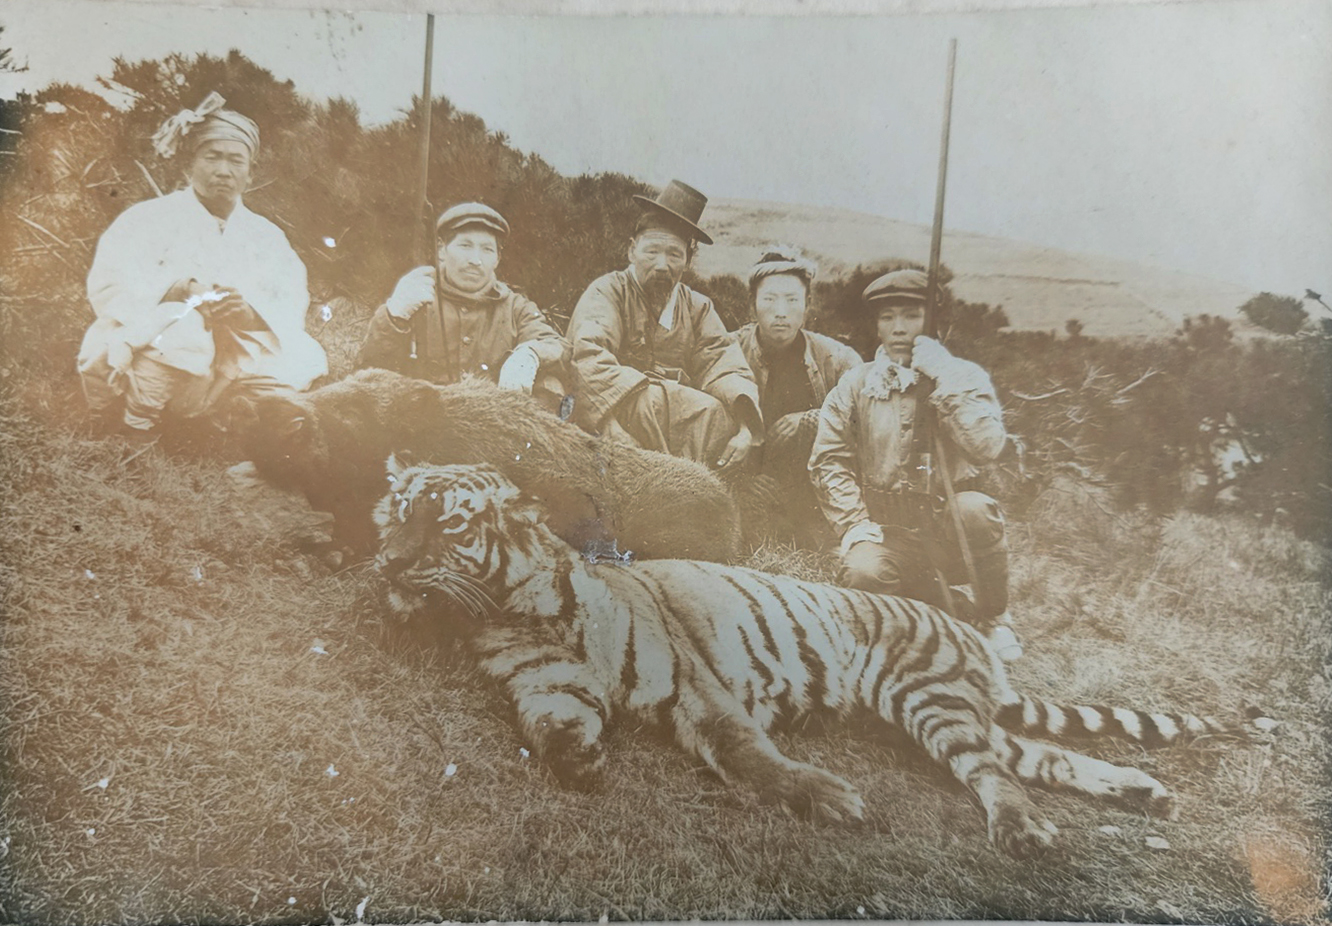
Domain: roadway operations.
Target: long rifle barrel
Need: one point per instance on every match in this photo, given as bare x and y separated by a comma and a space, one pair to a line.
936, 233
424, 220
940, 460
423, 176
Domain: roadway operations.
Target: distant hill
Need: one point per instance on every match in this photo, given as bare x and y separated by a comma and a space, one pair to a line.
1040, 288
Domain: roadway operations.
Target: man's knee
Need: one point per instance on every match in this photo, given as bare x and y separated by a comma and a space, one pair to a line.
97, 388
867, 567
711, 410
982, 520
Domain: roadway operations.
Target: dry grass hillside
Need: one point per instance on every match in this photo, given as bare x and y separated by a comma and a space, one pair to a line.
203, 723
1040, 288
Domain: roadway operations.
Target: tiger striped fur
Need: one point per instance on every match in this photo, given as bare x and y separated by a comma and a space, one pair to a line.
718, 654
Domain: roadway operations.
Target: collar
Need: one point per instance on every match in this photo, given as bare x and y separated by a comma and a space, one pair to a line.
886, 377
492, 295
237, 211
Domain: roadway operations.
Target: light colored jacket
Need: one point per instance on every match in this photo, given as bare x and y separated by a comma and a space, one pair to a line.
618, 341
159, 242
865, 432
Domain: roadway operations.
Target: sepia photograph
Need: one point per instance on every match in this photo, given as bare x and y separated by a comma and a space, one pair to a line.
520, 460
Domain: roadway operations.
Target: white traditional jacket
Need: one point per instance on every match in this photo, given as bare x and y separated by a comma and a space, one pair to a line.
154, 244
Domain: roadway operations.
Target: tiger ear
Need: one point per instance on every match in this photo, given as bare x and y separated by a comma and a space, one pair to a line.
393, 468
527, 509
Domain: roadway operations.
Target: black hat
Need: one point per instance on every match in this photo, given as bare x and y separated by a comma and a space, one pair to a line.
909, 286
682, 204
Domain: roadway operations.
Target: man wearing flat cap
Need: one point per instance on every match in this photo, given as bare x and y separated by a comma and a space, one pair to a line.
653, 365
896, 535
196, 296
794, 370
471, 323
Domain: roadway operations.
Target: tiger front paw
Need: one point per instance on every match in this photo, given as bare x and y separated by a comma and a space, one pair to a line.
573, 750
1020, 832
822, 796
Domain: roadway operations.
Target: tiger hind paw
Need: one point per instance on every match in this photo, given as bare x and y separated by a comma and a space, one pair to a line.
1020, 833
1151, 799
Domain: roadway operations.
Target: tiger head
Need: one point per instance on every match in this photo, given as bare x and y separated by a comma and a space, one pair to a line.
445, 533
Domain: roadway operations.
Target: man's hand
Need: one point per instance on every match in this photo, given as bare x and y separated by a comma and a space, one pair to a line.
929, 357
119, 356
183, 289
231, 311
736, 450
415, 289
785, 427
519, 371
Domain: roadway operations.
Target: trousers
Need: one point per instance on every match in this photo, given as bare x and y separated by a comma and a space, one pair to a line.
672, 418
151, 388
912, 556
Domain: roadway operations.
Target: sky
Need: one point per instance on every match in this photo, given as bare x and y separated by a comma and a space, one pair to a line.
1192, 136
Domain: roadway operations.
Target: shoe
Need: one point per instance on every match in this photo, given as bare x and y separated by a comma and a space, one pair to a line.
1005, 643
138, 437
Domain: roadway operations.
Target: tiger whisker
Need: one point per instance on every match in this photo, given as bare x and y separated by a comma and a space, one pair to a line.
470, 594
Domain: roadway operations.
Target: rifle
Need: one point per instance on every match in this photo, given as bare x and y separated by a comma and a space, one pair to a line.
425, 211
927, 435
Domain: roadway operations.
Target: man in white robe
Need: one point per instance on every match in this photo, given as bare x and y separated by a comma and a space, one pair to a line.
196, 296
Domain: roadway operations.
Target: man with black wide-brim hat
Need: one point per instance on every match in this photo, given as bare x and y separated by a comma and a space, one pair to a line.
652, 362
897, 533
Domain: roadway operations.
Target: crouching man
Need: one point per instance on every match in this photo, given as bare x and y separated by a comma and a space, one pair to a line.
794, 370
897, 535
652, 361
196, 296
472, 323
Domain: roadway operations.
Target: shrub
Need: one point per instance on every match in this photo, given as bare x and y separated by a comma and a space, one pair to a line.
1282, 314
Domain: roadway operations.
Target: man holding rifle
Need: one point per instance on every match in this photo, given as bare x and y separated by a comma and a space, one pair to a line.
898, 537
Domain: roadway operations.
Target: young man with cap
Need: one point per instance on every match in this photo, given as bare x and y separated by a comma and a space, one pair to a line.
478, 326
794, 370
653, 365
195, 295
896, 533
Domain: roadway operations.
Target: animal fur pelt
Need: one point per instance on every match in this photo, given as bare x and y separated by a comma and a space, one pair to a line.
332, 445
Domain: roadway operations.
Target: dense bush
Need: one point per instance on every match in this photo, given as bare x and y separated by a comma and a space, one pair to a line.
1282, 314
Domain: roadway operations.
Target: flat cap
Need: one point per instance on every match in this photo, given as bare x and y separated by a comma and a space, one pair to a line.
457, 217
898, 286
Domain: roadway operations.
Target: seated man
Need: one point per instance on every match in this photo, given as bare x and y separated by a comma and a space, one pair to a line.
897, 535
477, 324
652, 362
193, 292
794, 370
